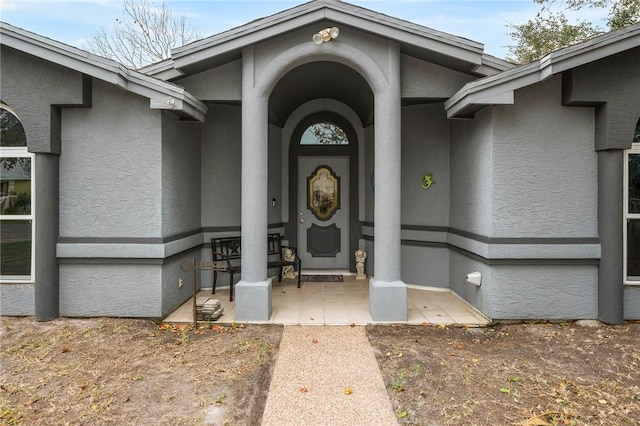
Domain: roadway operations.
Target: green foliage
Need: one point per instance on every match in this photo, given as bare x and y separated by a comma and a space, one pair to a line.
544, 34
11, 130
550, 30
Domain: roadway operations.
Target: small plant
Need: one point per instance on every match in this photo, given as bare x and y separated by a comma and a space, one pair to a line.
220, 399
398, 383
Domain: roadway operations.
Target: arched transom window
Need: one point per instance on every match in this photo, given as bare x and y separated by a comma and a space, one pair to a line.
324, 134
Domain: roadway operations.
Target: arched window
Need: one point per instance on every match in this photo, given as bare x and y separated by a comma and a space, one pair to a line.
324, 134
16, 200
632, 211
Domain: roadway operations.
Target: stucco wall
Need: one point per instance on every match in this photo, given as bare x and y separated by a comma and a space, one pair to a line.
117, 290
221, 166
174, 295
426, 265
425, 149
275, 175
369, 174
421, 79
471, 160
222, 83
521, 173
632, 302
544, 166
110, 167
30, 86
541, 292
17, 299
181, 177
614, 80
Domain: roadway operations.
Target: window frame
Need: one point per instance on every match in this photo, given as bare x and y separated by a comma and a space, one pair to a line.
635, 149
22, 152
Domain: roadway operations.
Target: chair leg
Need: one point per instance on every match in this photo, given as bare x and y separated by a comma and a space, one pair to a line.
230, 287
299, 271
215, 278
280, 276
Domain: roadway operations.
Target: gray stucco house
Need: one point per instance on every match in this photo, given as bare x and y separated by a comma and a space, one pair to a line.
449, 162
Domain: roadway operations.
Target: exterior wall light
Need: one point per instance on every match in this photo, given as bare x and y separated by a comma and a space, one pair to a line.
327, 34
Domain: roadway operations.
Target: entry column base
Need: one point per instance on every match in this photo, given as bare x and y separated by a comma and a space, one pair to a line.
387, 300
253, 301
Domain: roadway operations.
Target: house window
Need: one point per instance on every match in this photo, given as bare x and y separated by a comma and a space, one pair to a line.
632, 211
16, 200
324, 134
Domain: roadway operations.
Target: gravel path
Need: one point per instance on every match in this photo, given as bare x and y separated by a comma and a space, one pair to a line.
327, 375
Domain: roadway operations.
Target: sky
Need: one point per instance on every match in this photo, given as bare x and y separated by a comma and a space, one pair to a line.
74, 21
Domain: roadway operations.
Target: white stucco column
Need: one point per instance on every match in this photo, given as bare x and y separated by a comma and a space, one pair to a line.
387, 292
253, 291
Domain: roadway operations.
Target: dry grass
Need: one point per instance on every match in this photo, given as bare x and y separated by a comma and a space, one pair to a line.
122, 371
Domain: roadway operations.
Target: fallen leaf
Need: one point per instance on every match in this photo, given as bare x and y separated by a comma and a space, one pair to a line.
475, 359
602, 401
425, 324
460, 346
442, 326
353, 324
303, 390
315, 341
348, 391
401, 414
312, 318
505, 390
400, 355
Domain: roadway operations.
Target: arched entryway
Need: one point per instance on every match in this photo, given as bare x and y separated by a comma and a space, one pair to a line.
261, 110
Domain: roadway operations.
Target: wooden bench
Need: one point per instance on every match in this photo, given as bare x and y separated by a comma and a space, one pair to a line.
227, 255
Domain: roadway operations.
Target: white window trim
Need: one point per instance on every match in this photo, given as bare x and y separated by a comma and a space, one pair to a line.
13, 152
635, 149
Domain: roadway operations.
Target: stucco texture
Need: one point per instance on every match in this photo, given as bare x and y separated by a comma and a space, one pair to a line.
117, 290
111, 167
544, 167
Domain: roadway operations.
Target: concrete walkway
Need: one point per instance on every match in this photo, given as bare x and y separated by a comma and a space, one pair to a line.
327, 375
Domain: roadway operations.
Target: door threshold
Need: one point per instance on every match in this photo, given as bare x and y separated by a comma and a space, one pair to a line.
326, 272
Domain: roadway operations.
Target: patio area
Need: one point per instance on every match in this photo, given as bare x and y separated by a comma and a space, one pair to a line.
343, 303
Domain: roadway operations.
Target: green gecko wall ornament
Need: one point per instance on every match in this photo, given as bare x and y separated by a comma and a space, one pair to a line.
427, 181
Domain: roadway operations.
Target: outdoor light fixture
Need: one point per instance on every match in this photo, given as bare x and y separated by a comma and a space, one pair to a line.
325, 35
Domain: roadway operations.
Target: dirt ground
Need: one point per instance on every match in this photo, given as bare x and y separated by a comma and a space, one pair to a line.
579, 373
125, 371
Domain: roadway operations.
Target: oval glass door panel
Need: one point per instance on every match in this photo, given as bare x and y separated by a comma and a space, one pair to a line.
323, 192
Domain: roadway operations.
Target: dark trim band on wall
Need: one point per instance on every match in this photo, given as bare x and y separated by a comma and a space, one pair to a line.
128, 240
524, 262
500, 240
125, 260
506, 241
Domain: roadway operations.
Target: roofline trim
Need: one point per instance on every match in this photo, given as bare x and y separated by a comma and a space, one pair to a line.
161, 94
307, 13
477, 94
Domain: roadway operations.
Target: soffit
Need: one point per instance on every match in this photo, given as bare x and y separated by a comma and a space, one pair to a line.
320, 80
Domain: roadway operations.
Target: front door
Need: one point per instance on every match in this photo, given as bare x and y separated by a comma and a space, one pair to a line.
323, 212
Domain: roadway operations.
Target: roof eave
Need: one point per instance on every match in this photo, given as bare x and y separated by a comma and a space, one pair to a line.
479, 94
339, 12
159, 92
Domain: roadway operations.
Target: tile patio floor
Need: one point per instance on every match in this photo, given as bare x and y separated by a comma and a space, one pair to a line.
343, 303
